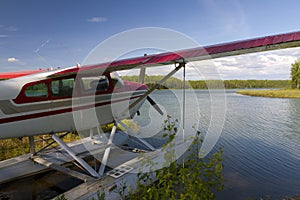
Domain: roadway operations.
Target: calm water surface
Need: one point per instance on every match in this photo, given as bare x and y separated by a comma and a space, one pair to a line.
260, 140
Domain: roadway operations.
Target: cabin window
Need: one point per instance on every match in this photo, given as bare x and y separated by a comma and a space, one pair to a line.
117, 82
62, 87
37, 90
93, 84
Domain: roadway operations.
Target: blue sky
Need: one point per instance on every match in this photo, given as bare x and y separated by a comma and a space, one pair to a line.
41, 34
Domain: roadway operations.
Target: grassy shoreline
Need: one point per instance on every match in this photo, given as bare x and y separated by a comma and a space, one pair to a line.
10, 148
281, 93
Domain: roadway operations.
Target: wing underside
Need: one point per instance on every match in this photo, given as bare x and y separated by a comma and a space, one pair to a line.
281, 41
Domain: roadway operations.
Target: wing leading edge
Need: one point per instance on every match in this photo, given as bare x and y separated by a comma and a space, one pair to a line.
9, 75
281, 41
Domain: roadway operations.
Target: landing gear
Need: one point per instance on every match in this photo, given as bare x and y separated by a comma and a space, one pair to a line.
32, 145
107, 150
86, 166
69, 153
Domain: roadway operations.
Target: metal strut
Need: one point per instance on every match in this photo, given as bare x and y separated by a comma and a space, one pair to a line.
184, 104
107, 150
140, 139
153, 88
32, 145
92, 132
74, 156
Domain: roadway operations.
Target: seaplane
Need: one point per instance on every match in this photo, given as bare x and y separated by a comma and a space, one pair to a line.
39, 102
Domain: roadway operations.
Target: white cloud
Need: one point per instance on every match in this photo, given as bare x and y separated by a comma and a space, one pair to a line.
12, 60
97, 19
3, 36
266, 65
11, 28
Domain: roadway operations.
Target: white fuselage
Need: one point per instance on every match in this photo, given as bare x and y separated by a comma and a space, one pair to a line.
23, 116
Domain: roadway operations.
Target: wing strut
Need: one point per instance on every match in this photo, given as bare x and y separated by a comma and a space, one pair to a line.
182, 64
149, 99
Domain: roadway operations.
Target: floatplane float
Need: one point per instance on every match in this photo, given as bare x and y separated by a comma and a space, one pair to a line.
42, 102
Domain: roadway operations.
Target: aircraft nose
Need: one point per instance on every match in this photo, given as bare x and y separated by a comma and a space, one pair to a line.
142, 87
137, 86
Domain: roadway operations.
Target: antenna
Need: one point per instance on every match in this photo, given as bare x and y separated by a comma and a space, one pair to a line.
71, 55
39, 55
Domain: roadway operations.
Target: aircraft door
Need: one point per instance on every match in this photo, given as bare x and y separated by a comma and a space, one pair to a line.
61, 91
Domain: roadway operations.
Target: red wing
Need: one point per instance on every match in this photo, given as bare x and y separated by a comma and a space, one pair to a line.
274, 42
9, 75
268, 43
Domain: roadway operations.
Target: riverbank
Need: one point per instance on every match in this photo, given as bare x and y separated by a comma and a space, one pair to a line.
282, 93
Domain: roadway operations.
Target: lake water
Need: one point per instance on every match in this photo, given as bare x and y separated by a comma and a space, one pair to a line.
260, 140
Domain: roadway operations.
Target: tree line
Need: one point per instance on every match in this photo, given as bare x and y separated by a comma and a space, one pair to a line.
175, 83
295, 74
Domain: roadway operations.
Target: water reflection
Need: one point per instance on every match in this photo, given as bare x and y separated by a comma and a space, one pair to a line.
260, 140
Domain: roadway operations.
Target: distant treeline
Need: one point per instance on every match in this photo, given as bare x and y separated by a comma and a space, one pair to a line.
240, 84
175, 83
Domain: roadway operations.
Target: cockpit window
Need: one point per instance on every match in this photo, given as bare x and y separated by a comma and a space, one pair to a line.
93, 84
116, 83
37, 90
116, 80
62, 87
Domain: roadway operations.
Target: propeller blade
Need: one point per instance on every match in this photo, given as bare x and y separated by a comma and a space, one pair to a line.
155, 106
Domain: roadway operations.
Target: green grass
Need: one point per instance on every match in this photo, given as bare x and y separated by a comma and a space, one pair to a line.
10, 148
282, 93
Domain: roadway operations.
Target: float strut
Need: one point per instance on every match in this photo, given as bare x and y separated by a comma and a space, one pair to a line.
131, 132
74, 156
107, 150
32, 145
